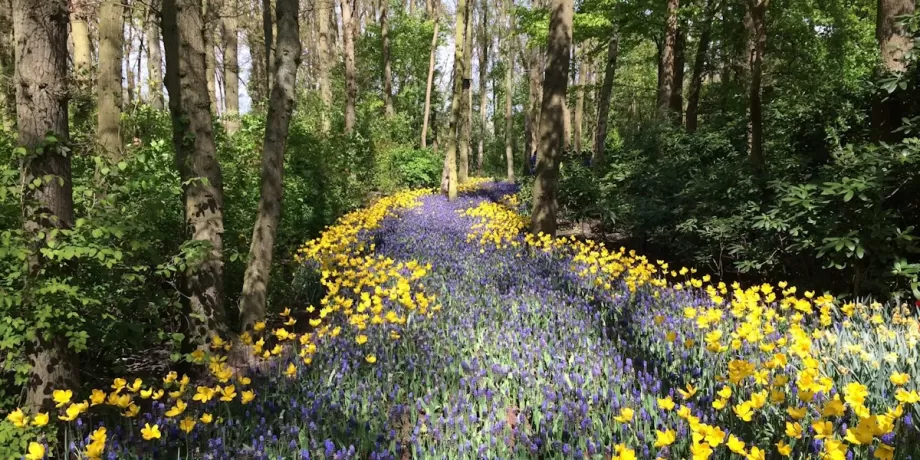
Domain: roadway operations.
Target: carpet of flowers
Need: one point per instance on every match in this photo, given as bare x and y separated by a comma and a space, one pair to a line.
446, 331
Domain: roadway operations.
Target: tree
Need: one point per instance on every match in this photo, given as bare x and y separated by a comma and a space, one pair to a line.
894, 43
552, 126
455, 107
154, 56
351, 82
277, 123
269, 45
385, 45
230, 35
196, 160
699, 66
666, 63
208, 15
509, 89
41, 75
484, 43
466, 98
325, 58
7, 68
756, 25
603, 102
432, 65
580, 100
108, 83
79, 35
677, 84
532, 122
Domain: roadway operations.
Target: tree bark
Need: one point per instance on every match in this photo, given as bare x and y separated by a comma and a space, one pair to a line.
755, 21
277, 123
894, 43
230, 33
699, 67
580, 101
466, 98
455, 105
351, 83
154, 56
108, 84
268, 33
208, 15
552, 125
82, 47
385, 44
325, 58
536, 98
603, 102
7, 67
41, 75
432, 65
484, 41
199, 170
677, 86
666, 63
509, 90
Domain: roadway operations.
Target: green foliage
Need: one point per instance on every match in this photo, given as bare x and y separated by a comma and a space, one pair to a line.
412, 168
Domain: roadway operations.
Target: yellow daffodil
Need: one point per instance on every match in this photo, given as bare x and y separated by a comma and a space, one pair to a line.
150, 432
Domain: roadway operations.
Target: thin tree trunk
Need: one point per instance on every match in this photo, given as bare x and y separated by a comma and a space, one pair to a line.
199, 170
552, 125
267, 33
466, 98
699, 68
509, 90
666, 62
895, 43
580, 100
208, 15
154, 56
230, 33
82, 47
277, 123
325, 58
41, 75
7, 67
455, 105
603, 102
432, 62
385, 44
536, 98
108, 84
351, 83
485, 41
757, 41
677, 88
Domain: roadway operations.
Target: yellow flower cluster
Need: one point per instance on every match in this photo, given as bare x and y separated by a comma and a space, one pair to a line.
497, 224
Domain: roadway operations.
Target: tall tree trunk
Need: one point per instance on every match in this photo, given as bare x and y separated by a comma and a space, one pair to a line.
108, 84
351, 83
432, 65
41, 75
457, 92
666, 62
580, 100
536, 98
484, 41
757, 42
466, 98
7, 67
325, 58
268, 34
677, 87
209, 15
230, 33
278, 120
82, 47
552, 126
603, 101
199, 170
154, 56
895, 42
509, 90
385, 44
699, 67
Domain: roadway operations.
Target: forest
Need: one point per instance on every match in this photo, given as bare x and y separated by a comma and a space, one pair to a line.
344, 229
